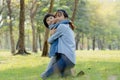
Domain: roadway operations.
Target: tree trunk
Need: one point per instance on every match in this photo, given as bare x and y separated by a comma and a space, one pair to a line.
40, 42
110, 47
82, 37
0, 44
1, 10
77, 38
45, 45
93, 43
28, 42
21, 42
6, 40
100, 43
75, 10
33, 11
2, 4
72, 19
118, 45
103, 43
88, 43
34, 43
10, 26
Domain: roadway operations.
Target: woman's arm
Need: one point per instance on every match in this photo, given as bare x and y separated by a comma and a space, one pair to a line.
58, 33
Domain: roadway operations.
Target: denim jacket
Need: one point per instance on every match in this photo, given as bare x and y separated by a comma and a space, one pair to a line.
54, 44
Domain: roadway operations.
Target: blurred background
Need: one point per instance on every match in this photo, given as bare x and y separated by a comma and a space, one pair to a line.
97, 23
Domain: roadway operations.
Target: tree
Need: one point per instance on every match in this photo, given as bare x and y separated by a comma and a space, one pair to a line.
73, 18
1, 10
10, 26
81, 23
21, 44
75, 10
45, 45
33, 11
97, 23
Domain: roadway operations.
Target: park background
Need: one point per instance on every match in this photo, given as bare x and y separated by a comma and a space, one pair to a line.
97, 36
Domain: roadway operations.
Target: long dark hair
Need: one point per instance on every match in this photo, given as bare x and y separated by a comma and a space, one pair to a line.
63, 11
66, 16
45, 18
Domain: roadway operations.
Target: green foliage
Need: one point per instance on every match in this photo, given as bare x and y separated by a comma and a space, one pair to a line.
99, 18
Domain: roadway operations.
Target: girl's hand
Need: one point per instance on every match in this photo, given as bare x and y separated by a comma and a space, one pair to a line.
52, 31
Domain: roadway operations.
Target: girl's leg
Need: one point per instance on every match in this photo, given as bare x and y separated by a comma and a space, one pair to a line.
52, 61
60, 66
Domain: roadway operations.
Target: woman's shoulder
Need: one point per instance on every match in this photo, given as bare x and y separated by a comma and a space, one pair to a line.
64, 25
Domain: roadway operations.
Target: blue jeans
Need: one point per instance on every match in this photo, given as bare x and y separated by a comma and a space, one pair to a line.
52, 61
62, 64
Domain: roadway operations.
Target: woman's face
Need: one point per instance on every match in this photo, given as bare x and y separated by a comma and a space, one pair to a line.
59, 15
50, 20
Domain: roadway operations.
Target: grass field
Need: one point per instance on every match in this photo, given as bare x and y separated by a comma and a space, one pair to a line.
97, 65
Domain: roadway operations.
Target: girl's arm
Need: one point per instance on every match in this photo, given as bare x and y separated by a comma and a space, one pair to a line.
58, 33
52, 31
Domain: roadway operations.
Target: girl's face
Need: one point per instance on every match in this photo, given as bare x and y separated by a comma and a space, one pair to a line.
50, 20
59, 15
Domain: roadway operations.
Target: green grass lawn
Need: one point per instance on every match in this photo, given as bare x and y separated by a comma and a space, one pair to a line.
97, 65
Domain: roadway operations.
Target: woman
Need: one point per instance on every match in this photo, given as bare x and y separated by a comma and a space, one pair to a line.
51, 22
66, 46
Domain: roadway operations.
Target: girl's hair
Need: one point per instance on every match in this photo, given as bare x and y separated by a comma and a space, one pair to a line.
45, 18
66, 16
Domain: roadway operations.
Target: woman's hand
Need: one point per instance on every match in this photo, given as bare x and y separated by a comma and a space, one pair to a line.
52, 31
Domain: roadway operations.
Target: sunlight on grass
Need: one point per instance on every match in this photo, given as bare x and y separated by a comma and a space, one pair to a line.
109, 56
19, 61
97, 65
